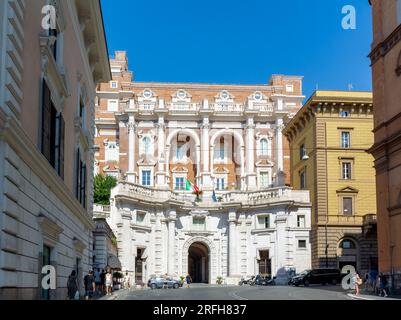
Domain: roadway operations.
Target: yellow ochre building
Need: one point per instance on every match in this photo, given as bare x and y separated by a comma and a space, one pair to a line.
329, 138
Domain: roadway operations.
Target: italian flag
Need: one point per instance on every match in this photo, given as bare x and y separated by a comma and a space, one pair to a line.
191, 186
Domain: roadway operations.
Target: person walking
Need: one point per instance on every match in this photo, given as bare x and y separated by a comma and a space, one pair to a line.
127, 281
90, 286
103, 281
98, 281
109, 282
72, 286
188, 280
356, 282
383, 285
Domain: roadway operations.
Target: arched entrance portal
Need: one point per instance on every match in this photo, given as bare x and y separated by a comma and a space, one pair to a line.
198, 262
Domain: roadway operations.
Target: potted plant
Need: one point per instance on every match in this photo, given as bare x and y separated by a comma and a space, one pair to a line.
198, 194
219, 280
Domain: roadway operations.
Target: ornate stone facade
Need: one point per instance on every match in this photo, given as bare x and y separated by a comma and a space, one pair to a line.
227, 140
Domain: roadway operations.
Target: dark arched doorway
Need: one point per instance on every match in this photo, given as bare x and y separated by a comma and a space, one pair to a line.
198, 262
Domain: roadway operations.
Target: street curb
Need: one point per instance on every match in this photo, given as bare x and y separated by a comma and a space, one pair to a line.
358, 297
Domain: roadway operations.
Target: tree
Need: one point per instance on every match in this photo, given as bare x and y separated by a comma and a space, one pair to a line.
102, 188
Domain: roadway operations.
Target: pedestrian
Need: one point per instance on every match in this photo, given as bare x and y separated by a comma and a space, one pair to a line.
103, 281
72, 286
188, 280
127, 281
383, 285
90, 286
98, 281
109, 282
356, 282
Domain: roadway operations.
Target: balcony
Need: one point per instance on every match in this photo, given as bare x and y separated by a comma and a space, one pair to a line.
228, 108
183, 108
156, 197
101, 211
345, 220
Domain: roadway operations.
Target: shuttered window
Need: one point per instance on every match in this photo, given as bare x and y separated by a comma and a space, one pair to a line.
80, 178
53, 133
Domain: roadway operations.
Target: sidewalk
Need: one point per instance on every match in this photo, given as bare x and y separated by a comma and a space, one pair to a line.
373, 297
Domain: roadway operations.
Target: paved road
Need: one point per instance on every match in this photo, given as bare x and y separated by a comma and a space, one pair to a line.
205, 292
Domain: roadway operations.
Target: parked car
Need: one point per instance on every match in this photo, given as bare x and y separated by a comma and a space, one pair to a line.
160, 282
317, 276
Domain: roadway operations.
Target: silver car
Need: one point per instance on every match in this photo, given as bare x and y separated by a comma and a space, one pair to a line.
159, 283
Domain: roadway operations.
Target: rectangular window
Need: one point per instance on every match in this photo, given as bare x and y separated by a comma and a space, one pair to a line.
289, 88
302, 152
264, 222
301, 244
179, 183
81, 178
140, 218
146, 177
347, 206
53, 133
220, 184
264, 179
302, 179
199, 224
301, 221
113, 84
344, 114
345, 139
346, 170
112, 105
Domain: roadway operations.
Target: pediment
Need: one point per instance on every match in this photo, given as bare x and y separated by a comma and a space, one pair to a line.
348, 190
180, 169
147, 160
264, 163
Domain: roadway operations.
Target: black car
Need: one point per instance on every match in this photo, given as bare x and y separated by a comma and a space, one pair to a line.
317, 276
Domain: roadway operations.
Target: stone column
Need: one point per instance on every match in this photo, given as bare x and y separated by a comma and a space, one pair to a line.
206, 177
161, 181
127, 253
279, 153
198, 164
131, 174
242, 160
250, 154
171, 242
232, 256
281, 248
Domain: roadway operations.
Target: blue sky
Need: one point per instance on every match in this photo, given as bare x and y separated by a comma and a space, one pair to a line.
231, 41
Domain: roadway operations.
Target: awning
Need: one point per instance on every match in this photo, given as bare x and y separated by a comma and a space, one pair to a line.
113, 262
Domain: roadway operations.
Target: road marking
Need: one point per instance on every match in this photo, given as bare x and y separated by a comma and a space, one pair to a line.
234, 295
358, 298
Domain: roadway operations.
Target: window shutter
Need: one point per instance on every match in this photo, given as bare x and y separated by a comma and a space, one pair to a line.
78, 175
46, 122
61, 146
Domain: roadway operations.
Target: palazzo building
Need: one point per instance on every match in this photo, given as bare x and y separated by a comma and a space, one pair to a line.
48, 77
226, 139
386, 72
329, 139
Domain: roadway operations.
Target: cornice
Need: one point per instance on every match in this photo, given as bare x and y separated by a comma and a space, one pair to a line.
386, 45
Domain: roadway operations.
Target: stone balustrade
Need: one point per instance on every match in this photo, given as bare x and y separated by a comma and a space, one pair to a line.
246, 198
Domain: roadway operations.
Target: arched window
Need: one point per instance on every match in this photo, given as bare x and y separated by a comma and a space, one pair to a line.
347, 244
263, 145
146, 144
220, 150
